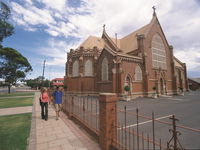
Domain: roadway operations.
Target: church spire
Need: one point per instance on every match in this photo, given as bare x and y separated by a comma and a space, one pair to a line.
154, 10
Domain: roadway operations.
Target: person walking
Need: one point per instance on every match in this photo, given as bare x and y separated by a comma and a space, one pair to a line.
57, 95
44, 96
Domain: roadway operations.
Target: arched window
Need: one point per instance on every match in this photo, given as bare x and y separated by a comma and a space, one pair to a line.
158, 52
88, 68
104, 69
138, 73
75, 69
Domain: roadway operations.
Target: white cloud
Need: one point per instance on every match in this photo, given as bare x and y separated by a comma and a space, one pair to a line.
58, 5
56, 51
191, 57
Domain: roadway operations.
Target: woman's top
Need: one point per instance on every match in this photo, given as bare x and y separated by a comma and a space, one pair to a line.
44, 97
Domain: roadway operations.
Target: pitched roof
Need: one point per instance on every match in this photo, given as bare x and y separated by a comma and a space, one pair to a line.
178, 63
195, 80
58, 79
93, 41
129, 42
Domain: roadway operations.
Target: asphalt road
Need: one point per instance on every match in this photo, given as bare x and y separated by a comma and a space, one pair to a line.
185, 108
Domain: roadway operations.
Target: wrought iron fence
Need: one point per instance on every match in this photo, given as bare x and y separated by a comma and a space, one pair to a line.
133, 137
83, 108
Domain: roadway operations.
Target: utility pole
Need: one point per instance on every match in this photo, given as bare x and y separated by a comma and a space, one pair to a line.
43, 72
49, 76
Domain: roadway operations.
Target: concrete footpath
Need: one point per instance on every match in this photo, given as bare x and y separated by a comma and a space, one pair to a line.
54, 134
15, 110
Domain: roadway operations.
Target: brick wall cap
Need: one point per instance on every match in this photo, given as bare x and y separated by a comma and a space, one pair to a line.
107, 94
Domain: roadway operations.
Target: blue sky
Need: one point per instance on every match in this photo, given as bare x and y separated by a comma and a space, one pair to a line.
47, 29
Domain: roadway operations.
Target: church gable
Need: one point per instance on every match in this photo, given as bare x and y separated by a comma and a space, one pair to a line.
109, 42
155, 28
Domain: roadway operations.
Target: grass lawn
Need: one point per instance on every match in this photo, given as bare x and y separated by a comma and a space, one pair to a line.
17, 94
15, 102
14, 131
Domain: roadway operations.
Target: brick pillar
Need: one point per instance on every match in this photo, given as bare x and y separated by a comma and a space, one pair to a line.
174, 86
108, 119
140, 41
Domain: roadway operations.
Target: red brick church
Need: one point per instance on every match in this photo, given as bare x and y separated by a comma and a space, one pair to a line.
142, 60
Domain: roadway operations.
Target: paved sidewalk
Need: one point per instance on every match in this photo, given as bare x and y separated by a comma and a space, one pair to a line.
15, 110
16, 96
54, 134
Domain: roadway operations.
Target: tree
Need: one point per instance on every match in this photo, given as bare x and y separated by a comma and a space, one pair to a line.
13, 66
38, 82
6, 29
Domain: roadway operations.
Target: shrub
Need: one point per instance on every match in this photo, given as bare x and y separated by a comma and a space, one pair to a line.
181, 89
154, 88
127, 88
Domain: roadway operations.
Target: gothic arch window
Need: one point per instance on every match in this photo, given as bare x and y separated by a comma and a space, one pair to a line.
138, 73
158, 52
104, 69
88, 68
75, 69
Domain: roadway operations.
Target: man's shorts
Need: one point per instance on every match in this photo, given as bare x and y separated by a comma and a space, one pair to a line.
58, 107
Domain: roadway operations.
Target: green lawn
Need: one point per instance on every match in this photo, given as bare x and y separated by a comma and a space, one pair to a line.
15, 102
17, 94
14, 131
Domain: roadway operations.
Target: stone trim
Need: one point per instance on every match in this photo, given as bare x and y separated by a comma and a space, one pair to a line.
100, 82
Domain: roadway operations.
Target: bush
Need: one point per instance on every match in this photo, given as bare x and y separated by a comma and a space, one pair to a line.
154, 88
127, 88
181, 89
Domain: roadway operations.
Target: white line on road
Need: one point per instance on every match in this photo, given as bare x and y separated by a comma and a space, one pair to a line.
133, 125
176, 99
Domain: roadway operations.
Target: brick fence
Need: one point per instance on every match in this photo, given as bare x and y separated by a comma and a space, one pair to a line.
97, 114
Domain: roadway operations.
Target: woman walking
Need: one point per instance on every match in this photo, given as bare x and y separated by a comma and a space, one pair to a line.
44, 103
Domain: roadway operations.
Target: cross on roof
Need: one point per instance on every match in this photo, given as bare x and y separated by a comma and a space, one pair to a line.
154, 10
104, 27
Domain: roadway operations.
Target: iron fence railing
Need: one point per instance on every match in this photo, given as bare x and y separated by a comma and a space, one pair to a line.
136, 136
84, 108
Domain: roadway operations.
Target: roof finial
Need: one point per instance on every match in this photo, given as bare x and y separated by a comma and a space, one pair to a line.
154, 11
104, 26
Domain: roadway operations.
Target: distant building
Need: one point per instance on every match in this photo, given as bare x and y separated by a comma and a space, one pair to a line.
194, 83
142, 60
58, 82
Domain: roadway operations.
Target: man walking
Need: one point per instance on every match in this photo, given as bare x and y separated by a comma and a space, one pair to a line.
58, 100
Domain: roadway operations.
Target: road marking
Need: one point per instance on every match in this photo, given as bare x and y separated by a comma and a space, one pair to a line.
133, 125
176, 99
